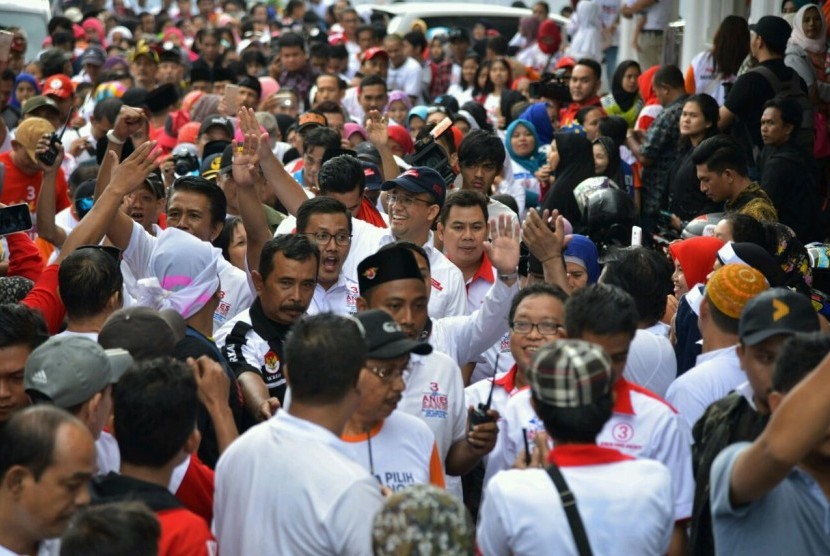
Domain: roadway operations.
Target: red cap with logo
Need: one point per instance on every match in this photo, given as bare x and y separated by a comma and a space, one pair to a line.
58, 85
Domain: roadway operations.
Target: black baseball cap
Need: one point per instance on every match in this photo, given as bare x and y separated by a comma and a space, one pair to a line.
372, 175
774, 30
776, 311
386, 339
217, 120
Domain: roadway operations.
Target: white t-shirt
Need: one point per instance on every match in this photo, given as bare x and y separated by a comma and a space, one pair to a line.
642, 425
406, 78
236, 289
67, 222
352, 106
651, 362
340, 299
403, 452
284, 487
625, 506
435, 394
715, 374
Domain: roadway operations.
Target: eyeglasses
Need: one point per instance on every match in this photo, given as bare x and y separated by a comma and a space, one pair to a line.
405, 200
545, 328
323, 238
389, 374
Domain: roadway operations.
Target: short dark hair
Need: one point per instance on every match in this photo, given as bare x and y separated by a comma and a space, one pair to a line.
669, 76
87, 278
322, 367
543, 5
225, 237
320, 50
341, 174
116, 529
292, 246
583, 113
790, 110
20, 325
720, 153
371, 80
481, 146
614, 127
340, 83
746, 229
28, 438
155, 408
578, 424
290, 40
365, 28
329, 107
320, 205
646, 276
800, 354
725, 323
416, 39
107, 109
600, 309
321, 137
593, 64
215, 195
551, 290
464, 198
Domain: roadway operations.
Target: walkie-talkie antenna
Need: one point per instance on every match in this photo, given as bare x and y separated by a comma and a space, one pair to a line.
493, 380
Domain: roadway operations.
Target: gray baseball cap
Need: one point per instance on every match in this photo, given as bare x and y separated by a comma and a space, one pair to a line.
69, 370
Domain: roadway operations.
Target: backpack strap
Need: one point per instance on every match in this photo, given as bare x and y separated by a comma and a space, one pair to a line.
771, 78
583, 547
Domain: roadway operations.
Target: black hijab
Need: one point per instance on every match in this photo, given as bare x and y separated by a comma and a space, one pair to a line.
613, 170
623, 98
576, 164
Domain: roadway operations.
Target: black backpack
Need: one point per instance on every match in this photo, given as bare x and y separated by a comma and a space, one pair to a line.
792, 90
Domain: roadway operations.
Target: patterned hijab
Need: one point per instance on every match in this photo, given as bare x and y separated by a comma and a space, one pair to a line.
423, 520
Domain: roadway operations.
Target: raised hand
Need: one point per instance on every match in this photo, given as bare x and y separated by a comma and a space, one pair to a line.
543, 242
503, 249
131, 173
377, 127
246, 160
129, 122
43, 145
249, 125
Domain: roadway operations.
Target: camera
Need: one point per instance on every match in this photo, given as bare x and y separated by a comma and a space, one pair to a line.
185, 160
429, 153
553, 86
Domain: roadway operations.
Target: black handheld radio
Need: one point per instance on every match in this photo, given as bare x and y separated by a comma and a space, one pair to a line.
48, 156
479, 415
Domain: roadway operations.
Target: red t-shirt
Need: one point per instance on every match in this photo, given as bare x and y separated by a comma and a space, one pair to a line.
23, 188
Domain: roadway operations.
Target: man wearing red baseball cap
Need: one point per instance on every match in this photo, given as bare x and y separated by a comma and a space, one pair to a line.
59, 88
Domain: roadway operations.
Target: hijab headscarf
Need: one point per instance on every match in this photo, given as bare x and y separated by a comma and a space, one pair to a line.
204, 106
529, 28
576, 164
398, 96
755, 256
696, 256
28, 78
623, 98
645, 83
550, 37
613, 170
420, 111
582, 251
798, 37
537, 114
478, 112
535, 159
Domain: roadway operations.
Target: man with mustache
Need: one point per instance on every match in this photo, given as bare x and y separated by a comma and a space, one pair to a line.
252, 342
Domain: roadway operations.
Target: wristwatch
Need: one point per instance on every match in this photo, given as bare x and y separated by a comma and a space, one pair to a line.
512, 276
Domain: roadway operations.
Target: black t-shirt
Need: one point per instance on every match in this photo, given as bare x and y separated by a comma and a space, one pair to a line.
749, 93
687, 201
194, 345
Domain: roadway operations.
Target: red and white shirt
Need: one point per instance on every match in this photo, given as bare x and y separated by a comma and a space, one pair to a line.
642, 425
625, 505
479, 284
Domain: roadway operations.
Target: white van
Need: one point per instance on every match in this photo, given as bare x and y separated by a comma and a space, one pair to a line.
455, 14
32, 16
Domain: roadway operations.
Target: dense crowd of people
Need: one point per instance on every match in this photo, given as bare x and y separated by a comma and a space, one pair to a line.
297, 285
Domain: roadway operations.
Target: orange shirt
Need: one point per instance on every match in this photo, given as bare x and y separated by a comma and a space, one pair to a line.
22, 188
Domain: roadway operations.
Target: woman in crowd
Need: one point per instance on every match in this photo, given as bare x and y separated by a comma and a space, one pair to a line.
607, 162
589, 118
586, 29
581, 262
698, 121
711, 70
416, 120
397, 107
522, 143
499, 79
466, 89
624, 99
571, 161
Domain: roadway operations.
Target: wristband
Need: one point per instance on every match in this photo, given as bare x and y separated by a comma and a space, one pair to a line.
512, 276
113, 139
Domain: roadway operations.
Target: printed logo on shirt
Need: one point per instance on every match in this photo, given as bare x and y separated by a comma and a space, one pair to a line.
623, 437
434, 404
272, 363
437, 285
223, 309
504, 345
396, 480
622, 432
